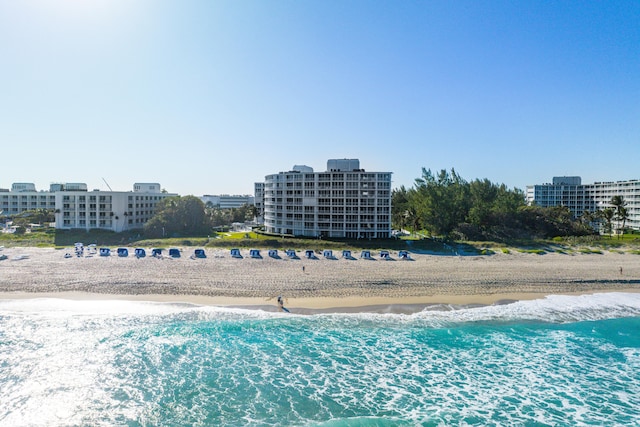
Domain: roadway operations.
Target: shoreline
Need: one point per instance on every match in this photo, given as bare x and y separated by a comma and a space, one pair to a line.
320, 305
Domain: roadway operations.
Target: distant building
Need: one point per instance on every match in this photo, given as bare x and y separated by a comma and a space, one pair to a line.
226, 201
75, 207
258, 201
111, 210
580, 198
22, 197
343, 202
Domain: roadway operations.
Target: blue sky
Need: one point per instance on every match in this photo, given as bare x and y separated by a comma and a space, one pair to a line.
207, 97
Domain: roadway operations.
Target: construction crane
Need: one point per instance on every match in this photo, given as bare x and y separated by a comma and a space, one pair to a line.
105, 181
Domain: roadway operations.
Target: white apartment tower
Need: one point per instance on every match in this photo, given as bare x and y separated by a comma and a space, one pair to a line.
343, 202
580, 198
258, 201
23, 197
111, 210
75, 207
227, 201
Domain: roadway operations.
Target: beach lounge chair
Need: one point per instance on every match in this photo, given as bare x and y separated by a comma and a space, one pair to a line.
156, 252
328, 254
309, 254
255, 253
291, 253
235, 253
404, 255
140, 253
123, 252
346, 254
385, 255
105, 252
174, 253
273, 253
199, 253
365, 255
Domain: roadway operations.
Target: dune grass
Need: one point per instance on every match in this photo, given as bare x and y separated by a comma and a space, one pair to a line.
49, 237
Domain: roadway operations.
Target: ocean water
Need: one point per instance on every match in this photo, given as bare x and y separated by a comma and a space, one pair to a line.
558, 361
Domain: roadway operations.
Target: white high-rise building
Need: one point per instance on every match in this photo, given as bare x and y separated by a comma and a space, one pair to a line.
24, 197
580, 198
111, 210
227, 201
258, 201
343, 202
75, 207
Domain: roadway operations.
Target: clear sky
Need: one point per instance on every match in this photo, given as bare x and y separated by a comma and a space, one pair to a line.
207, 97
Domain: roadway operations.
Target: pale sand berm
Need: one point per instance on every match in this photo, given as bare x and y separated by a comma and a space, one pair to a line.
329, 285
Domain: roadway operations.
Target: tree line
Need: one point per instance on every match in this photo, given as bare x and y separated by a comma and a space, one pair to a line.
189, 216
616, 214
441, 204
445, 204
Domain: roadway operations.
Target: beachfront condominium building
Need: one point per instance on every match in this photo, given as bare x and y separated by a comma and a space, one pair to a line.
258, 201
75, 207
227, 201
582, 198
342, 202
23, 196
110, 210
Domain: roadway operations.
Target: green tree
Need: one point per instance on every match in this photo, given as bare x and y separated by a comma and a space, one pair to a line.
607, 215
483, 194
621, 214
413, 219
253, 212
399, 206
182, 216
34, 216
446, 204
38, 216
442, 200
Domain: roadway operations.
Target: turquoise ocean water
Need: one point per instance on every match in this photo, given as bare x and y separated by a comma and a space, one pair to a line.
562, 360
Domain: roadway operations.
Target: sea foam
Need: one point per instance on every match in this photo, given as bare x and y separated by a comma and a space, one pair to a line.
559, 360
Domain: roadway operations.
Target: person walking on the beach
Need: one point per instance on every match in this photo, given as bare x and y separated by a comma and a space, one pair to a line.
303, 268
281, 304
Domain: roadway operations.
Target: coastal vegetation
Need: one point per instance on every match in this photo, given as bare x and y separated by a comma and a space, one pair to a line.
446, 205
50, 237
189, 216
441, 213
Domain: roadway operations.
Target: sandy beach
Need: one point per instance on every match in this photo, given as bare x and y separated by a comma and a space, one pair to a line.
320, 284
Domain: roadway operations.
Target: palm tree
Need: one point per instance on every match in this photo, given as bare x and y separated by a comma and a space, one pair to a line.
607, 215
253, 212
620, 212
